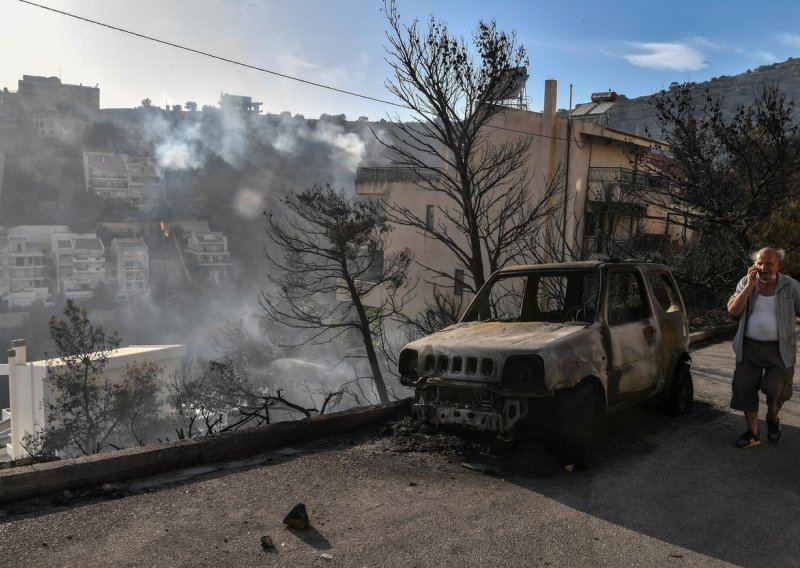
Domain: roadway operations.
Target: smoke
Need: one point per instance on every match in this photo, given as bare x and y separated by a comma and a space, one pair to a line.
249, 203
347, 148
186, 141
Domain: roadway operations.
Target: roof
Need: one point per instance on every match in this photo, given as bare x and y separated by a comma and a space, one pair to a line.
129, 354
88, 244
108, 162
128, 243
581, 265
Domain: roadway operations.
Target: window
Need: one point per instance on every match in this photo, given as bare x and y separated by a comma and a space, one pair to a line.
458, 283
664, 292
429, 217
625, 302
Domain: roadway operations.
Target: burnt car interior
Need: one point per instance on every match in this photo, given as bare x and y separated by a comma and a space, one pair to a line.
568, 297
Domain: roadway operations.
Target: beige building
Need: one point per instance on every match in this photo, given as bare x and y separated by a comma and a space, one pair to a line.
599, 214
28, 389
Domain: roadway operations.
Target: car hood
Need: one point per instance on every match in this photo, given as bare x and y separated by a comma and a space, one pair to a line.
496, 336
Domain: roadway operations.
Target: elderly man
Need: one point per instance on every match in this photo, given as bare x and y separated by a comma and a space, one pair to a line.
765, 345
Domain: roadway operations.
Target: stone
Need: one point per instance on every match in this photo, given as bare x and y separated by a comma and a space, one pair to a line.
267, 543
298, 518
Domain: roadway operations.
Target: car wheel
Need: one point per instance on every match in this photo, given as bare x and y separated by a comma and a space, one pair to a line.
681, 393
576, 422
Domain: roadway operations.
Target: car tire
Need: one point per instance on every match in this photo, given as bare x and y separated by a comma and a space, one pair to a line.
576, 423
681, 391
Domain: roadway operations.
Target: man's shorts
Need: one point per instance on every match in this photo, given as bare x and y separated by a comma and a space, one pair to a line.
761, 368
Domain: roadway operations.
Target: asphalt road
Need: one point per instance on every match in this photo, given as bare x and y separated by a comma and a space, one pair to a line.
661, 491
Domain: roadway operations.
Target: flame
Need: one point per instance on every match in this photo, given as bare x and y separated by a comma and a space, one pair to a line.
164, 231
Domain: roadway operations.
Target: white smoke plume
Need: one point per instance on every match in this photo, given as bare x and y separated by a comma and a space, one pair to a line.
187, 143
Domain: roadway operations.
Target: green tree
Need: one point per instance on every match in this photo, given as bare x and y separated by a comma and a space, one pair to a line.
729, 175
87, 410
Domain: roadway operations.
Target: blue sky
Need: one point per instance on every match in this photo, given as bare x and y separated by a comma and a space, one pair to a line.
632, 47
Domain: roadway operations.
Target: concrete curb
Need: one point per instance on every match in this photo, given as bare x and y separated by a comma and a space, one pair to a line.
698, 336
37, 479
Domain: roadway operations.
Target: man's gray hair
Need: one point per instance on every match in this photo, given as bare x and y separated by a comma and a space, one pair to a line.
779, 252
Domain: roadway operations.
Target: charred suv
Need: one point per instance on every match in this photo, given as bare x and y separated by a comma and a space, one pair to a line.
570, 341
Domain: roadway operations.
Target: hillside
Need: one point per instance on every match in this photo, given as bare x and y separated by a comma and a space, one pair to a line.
634, 115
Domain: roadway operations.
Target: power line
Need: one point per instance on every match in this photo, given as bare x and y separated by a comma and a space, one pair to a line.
207, 54
256, 68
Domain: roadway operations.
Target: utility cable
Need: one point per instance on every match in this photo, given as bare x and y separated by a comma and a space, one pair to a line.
218, 57
256, 68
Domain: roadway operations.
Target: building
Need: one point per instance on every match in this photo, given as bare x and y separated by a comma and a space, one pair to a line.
80, 264
106, 175
28, 389
598, 216
133, 178
57, 111
25, 273
239, 103
146, 180
55, 125
207, 252
129, 268
49, 93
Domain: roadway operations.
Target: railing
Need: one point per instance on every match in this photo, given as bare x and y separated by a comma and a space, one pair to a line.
632, 246
623, 176
399, 173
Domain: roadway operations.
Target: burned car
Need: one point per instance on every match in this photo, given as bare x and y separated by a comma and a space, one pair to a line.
567, 341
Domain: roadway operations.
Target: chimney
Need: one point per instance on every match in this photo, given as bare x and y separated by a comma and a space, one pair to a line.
550, 95
20, 351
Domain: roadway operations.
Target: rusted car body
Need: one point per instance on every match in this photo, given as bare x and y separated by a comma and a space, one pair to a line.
597, 335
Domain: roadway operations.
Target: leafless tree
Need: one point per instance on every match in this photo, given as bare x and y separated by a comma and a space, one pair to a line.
329, 244
209, 397
454, 93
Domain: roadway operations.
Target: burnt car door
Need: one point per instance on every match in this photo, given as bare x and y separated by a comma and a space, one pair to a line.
634, 363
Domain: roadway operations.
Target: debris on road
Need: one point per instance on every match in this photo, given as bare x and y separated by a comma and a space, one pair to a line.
298, 518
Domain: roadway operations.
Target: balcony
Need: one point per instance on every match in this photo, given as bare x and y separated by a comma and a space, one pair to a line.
632, 246
621, 176
400, 173
619, 185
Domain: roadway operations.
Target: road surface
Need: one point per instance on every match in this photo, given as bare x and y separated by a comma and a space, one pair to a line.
662, 491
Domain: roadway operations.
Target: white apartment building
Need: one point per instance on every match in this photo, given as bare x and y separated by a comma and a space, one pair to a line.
106, 175
28, 388
208, 251
136, 179
80, 264
25, 269
130, 269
